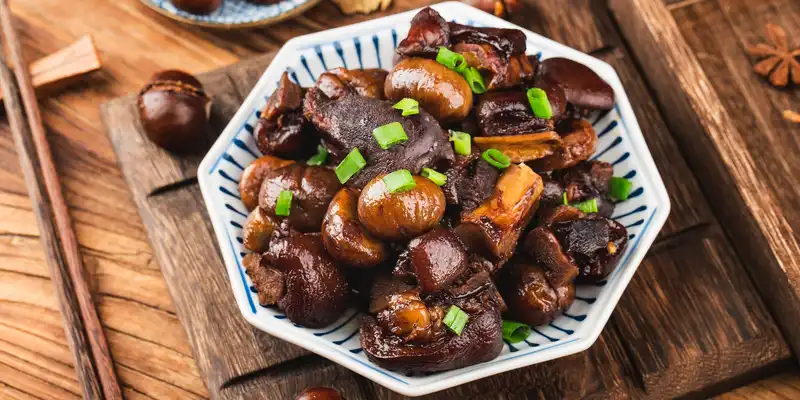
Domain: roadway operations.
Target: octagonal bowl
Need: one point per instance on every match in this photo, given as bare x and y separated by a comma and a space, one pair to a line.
371, 45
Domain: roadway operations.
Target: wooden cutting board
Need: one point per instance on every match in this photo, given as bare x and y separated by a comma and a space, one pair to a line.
691, 321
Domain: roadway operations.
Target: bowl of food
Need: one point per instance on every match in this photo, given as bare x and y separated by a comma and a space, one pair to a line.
433, 197
230, 14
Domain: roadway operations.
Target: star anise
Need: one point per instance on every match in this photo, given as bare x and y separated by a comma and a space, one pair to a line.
779, 63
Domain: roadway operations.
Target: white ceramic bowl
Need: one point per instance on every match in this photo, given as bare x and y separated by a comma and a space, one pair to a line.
370, 45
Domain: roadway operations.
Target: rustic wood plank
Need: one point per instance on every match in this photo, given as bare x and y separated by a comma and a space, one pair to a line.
743, 159
785, 386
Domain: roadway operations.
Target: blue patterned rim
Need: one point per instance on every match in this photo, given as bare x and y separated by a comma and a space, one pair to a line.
235, 13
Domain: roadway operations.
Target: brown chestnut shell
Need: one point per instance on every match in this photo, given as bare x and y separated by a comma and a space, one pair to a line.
401, 215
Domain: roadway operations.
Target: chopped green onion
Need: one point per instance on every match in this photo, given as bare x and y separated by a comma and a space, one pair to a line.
462, 142
399, 181
587, 206
351, 164
389, 134
566, 203
436, 176
456, 319
539, 103
496, 158
515, 332
284, 204
620, 188
451, 59
408, 106
320, 157
475, 80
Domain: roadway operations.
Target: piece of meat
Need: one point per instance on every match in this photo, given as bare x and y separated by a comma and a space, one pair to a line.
428, 32
268, 281
338, 82
584, 181
578, 143
282, 130
508, 42
582, 86
470, 181
508, 113
434, 260
348, 123
498, 71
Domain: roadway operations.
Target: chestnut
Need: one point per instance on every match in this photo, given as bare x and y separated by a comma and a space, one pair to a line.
400, 215
312, 190
319, 393
197, 6
440, 91
406, 315
257, 231
530, 296
337, 82
345, 237
253, 177
434, 259
174, 111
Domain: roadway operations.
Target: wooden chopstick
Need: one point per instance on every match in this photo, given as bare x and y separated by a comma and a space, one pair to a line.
85, 335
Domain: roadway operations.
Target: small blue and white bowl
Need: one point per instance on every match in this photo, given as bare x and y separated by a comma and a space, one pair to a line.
235, 14
371, 45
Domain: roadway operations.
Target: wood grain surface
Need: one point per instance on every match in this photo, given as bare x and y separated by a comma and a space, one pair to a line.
152, 354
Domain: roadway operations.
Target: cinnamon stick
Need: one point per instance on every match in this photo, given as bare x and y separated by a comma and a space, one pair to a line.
85, 335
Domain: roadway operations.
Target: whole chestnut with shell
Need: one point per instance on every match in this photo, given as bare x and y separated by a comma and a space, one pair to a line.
174, 111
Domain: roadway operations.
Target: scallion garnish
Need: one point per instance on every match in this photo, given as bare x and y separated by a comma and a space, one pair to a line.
587, 206
435, 176
284, 204
515, 332
620, 188
475, 80
566, 203
456, 319
408, 106
539, 103
496, 158
399, 181
351, 164
462, 142
320, 157
389, 134
451, 59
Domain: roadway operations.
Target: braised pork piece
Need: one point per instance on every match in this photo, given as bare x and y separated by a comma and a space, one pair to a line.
446, 198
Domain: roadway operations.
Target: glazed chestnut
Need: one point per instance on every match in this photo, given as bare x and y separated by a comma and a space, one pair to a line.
268, 282
435, 348
338, 82
258, 229
401, 215
282, 130
174, 111
582, 86
197, 6
319, 393
493, 228
253, 177
578, 143
434, 259
312, 190
316, 291
345, 237
440, 91
530, 297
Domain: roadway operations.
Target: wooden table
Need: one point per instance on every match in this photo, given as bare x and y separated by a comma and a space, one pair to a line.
152, 356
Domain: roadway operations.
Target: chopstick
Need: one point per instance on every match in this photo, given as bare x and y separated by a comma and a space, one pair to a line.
85, 336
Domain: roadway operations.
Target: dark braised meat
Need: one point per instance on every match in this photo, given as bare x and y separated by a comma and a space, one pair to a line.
586, 180
348, 123
582, 86
508, 42
570, 240
433, 260
508, 113
312, 190
492, 229
316, 291
282, 130
408, 334
428, 32
499, 72
440, 91
533, 295
338, 82
578, 143
470, 181
344, 235
268, 282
